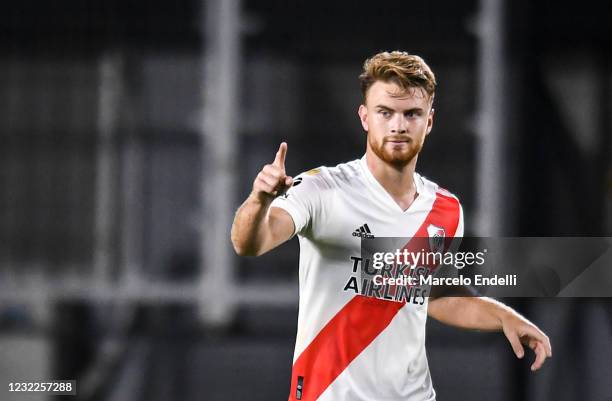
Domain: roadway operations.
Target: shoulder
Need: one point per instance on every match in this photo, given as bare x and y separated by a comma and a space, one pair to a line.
446, 208
326, 177
442, 194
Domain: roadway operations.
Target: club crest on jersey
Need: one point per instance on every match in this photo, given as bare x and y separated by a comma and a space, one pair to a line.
436, 238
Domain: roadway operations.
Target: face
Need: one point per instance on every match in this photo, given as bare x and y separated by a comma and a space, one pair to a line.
396, 122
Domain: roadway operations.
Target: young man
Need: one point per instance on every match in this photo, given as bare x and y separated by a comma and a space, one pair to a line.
350, 346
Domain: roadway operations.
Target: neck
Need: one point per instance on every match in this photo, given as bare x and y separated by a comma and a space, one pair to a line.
397, 180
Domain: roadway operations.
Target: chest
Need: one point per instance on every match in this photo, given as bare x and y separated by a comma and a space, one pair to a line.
351, 216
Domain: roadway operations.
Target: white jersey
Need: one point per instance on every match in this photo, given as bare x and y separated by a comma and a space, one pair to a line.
351, 347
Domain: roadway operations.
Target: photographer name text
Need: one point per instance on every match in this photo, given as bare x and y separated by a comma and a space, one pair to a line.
478, 279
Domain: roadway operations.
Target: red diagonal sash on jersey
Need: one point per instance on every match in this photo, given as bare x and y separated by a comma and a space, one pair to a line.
359, 322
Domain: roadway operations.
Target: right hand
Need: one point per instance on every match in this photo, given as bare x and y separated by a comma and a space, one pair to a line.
272, 180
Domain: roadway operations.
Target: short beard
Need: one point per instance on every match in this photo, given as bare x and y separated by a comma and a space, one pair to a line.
396, 159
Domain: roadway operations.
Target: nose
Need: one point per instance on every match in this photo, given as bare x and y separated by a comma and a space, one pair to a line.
398, 124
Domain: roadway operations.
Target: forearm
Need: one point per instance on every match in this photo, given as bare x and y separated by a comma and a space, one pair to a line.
248, 230
477, 313
487, 314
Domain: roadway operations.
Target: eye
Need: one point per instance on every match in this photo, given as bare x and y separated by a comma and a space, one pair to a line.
384, 113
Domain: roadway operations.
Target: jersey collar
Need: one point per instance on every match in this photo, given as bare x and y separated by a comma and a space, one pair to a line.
383, 192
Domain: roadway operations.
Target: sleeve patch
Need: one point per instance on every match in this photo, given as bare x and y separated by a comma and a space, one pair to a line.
314, 171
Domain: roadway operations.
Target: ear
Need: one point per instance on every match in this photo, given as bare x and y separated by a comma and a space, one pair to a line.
430, 119
363, 117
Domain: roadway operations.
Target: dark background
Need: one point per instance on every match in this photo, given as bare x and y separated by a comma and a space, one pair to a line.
120, 177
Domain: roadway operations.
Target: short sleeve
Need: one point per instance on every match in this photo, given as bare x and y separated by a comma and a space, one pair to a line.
459, 231
460, 228
303, 200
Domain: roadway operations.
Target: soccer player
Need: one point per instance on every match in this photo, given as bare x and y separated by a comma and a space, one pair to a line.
351, 346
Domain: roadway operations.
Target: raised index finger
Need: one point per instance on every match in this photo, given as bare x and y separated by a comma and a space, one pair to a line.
279, 160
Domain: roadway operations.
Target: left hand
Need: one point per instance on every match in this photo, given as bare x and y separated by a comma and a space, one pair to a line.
521, 331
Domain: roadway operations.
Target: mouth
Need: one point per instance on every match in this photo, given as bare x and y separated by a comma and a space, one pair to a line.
398, 140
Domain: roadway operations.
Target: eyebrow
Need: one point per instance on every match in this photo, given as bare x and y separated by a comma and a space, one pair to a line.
382, 106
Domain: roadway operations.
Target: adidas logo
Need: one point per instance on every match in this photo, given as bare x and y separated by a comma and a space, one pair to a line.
363, 232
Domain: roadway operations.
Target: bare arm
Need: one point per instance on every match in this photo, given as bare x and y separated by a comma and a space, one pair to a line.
257, 227
483, 313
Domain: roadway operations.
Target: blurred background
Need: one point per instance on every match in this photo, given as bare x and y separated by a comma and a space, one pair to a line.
131, 131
